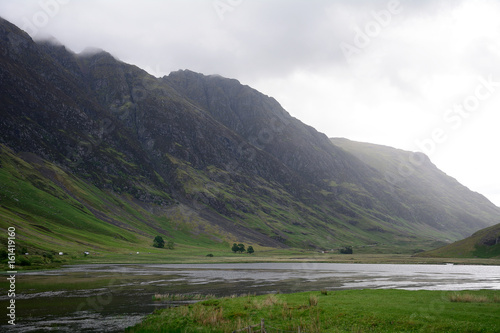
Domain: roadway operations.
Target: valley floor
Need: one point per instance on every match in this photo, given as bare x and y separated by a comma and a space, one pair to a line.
195, 256
188, 257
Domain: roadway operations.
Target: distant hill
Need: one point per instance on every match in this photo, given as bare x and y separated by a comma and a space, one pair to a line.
97, 153
435, 197
483, 244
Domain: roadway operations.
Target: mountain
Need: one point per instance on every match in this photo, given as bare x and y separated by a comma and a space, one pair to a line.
484, 243
433, 196
98, 153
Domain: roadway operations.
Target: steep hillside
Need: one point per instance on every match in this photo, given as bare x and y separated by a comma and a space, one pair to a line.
53, 210
124, 156
432, 195
262, 122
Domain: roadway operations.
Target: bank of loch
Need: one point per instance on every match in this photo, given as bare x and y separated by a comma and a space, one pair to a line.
382, 310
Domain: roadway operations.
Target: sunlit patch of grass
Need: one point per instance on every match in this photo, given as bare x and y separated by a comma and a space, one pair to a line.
470, 298
313, 300
207, 315
270, 300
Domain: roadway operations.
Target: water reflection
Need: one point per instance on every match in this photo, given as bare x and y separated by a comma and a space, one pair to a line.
413, 277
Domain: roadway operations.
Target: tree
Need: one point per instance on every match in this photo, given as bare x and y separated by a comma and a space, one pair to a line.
346, 250
159, 242
4, 254
241, 248
235, 248
170, 245
250, 250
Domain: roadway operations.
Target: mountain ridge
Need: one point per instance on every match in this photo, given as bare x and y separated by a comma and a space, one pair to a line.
202, 152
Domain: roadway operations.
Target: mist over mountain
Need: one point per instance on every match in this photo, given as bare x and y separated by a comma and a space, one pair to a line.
98, 152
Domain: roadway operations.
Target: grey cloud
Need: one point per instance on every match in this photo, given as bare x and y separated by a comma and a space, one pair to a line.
256, 38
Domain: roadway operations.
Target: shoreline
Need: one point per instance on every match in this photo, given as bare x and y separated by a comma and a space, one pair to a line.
396, 259
374, 310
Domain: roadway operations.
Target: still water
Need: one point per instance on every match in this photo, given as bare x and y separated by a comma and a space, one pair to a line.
109, 298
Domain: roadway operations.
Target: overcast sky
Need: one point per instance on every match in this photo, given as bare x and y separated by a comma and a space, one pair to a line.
416, 75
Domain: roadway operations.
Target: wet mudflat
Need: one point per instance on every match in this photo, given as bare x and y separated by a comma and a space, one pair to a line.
109, 298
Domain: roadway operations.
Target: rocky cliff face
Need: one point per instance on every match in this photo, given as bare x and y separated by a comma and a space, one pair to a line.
224, 151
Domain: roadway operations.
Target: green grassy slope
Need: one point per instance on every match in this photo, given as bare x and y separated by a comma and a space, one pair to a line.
54, 211
483, 244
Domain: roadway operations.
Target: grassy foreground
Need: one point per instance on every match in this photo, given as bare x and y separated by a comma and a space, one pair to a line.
337, 311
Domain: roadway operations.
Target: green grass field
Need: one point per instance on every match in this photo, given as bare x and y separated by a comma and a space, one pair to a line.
197, 255
337, 311
191, 254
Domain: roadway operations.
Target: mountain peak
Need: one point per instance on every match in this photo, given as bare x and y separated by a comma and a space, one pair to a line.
187, 73
50, 40
95, 51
